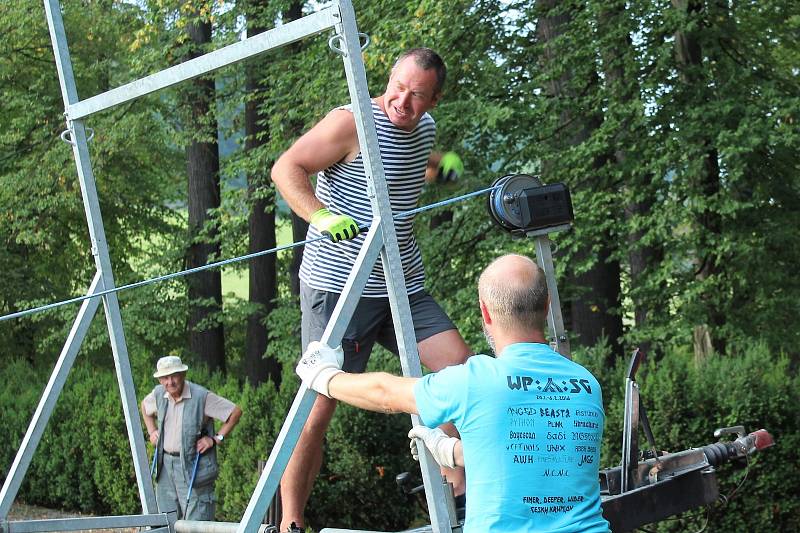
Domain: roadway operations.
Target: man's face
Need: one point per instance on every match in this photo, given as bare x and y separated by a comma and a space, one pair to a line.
409, 94
173, 383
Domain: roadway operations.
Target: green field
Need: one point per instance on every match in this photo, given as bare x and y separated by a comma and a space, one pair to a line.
235, 280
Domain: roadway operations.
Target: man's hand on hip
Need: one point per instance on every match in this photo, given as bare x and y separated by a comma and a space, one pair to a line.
205, 443
318, 365
440, 445
336, 227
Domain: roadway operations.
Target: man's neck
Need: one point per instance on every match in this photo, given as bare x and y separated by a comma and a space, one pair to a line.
505, 339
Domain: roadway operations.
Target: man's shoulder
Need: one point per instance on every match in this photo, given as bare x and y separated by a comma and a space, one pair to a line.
479, 365
481, 359
427, 118
196, 389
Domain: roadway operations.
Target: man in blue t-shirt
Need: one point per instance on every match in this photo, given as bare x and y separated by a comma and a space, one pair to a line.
531, 421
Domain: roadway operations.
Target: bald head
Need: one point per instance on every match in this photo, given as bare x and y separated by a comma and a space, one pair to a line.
514, 290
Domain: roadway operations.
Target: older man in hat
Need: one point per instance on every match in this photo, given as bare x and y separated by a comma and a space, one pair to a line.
179, 416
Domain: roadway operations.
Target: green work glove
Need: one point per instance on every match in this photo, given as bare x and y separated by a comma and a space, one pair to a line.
336, 227
450, 167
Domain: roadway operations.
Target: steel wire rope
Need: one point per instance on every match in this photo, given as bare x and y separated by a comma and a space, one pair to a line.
181, 273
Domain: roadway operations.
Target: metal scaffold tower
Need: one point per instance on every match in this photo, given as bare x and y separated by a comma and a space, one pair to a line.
381, 242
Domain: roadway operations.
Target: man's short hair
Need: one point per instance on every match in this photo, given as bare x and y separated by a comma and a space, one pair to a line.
426, 59
519, 303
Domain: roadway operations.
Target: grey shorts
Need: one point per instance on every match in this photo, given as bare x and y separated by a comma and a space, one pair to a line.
371, 322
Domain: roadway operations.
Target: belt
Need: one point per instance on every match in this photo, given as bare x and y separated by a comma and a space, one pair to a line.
173, 454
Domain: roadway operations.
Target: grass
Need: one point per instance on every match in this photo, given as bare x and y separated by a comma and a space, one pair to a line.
236, 280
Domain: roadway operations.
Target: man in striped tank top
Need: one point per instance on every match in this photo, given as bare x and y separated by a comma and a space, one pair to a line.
337, 207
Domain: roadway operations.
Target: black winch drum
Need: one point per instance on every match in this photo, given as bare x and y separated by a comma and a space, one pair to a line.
520, 203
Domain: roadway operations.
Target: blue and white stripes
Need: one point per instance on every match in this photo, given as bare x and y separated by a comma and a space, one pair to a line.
342, 188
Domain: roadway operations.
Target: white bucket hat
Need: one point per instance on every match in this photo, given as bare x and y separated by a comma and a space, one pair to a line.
170, 364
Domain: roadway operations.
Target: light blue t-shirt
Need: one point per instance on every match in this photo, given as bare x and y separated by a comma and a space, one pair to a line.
531, 424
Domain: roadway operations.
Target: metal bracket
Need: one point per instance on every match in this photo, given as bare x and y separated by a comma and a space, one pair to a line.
338, 37
735, 430
66, 136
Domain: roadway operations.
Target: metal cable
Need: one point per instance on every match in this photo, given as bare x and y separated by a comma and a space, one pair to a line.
404, 214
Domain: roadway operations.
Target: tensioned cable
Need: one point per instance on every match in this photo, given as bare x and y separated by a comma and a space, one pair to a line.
404, 214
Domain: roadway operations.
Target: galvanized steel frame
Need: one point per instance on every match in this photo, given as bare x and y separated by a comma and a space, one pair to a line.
544, 258
381, 242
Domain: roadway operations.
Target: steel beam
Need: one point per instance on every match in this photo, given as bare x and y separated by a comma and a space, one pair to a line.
441, 519
229, 55
304, 399
84, 523
198, 526
544, 257
102, 258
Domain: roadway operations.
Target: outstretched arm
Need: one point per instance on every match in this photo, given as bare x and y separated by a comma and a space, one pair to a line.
375, 391
320, 369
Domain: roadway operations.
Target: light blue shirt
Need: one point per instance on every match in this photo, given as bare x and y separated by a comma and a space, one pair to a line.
531, 424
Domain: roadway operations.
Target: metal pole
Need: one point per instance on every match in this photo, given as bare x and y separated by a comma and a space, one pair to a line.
544, 257
228, 55
304, 400
390, 255
102, 260
630, 436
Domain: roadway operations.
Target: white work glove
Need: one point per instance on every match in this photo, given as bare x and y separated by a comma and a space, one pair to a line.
318, 365
440, 445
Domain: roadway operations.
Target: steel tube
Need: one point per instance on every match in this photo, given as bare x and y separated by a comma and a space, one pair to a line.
304, 400
198, 526
83, 523
228, 55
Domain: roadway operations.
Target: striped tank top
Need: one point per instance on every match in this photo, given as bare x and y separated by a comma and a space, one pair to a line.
342, 188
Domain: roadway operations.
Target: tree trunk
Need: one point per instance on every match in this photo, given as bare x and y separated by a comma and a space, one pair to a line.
594, 311
299, 226
206, 335
620, 74
261, 227
706, 182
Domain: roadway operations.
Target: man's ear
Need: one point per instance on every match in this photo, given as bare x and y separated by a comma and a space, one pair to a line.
485, 313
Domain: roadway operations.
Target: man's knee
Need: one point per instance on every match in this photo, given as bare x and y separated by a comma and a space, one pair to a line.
203, 506
320, 416
443, 349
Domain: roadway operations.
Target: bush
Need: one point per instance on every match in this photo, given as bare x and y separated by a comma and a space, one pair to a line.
83, 462
686, 401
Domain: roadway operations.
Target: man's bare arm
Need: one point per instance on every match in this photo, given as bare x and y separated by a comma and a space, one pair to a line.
231, 422
150, 424
331, 140
375, 391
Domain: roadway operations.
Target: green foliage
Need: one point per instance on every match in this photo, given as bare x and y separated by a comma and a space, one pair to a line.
687, 400
650, 126
83, 462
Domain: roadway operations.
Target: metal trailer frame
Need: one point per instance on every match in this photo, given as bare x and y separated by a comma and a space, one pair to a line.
381, 242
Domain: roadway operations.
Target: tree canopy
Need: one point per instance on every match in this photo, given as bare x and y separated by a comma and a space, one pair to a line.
674, 124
